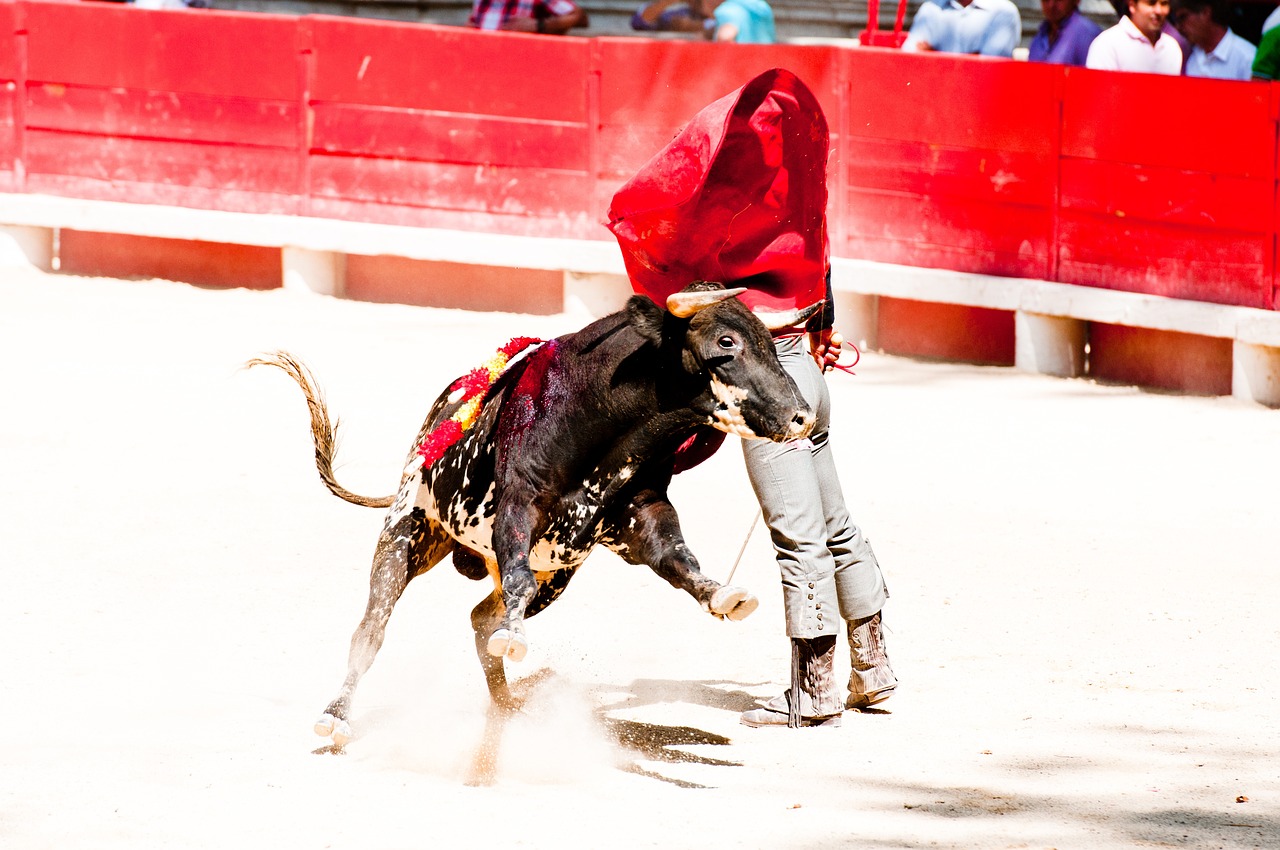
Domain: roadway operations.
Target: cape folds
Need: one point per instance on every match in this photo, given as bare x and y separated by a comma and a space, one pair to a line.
738, 196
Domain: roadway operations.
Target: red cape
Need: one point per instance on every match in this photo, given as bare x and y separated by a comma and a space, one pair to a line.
739, 196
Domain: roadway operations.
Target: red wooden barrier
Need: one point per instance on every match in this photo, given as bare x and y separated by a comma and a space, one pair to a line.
1124, 181
12, 63
194, 108
441, 126
950, 162
1168, 188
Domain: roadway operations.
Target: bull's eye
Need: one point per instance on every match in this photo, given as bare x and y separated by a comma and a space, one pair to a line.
727, 342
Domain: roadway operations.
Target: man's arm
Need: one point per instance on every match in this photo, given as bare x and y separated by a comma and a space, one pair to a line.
920, 36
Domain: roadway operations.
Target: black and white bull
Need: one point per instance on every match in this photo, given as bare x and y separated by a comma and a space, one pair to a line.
574, 447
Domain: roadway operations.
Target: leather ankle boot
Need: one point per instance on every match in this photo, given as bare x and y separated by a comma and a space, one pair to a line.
813, 681
871, 679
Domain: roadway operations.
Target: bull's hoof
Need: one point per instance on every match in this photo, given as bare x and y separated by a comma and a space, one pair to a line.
505, 643
330, 726
736, 603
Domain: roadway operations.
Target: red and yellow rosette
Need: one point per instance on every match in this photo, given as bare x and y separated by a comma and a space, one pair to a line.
470, 389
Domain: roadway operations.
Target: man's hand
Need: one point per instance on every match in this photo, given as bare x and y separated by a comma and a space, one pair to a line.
825, 348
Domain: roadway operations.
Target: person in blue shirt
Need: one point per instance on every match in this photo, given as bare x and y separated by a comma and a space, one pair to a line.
1065, 35
985, 27
741, 21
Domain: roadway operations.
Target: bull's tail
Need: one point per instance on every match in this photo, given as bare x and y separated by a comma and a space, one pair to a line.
323, 432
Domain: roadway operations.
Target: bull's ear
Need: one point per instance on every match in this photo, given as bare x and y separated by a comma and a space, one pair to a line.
646, 317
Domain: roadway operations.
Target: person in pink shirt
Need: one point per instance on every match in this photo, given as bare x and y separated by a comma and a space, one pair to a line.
553, 17
1138, 42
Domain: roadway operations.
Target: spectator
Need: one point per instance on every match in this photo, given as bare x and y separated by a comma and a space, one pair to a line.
553, 17
1138, 42
743, 21
985, 27
1216, 51
1266, 62
1122, 11
1065, 35
673, 16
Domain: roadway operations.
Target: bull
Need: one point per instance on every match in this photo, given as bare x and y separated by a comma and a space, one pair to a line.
574, 446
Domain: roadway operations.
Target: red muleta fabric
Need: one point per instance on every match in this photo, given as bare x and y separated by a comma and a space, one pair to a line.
739, 196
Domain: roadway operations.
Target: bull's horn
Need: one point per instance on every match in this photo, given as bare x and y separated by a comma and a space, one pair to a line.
776, 320
682, 305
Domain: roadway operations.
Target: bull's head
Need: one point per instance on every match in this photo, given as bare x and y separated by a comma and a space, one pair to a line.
748, 393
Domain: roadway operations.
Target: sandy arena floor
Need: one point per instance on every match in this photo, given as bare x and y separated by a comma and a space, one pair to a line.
1084, 614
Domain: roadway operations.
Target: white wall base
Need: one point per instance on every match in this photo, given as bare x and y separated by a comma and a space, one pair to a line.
1255, 373
321, 272
595, 294
23, 246
857, 317
1049, 345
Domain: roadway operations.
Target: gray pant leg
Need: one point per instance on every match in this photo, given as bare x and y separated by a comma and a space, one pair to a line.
828, 569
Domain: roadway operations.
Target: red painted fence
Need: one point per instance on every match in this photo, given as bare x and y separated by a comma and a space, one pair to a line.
1123, 181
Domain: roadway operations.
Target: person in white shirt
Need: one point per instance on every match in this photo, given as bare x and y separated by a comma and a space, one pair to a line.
1138, 42
1216, 51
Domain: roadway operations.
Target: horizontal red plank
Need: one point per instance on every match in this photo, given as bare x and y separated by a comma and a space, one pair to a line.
953, 101
931, 256
197, 50
1166, 259
448, 69
998, 237
225, 168
162, 115
229, 200
445, 137
1172, 122
921, 168
509, 191
1209, 201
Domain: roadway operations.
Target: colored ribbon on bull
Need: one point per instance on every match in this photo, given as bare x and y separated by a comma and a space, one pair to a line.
470, 390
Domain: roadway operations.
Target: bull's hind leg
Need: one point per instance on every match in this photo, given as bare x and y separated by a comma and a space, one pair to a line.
650, 534
406, 550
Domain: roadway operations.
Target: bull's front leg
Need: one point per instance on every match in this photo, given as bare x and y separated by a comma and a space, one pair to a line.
512, 540
649, 533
